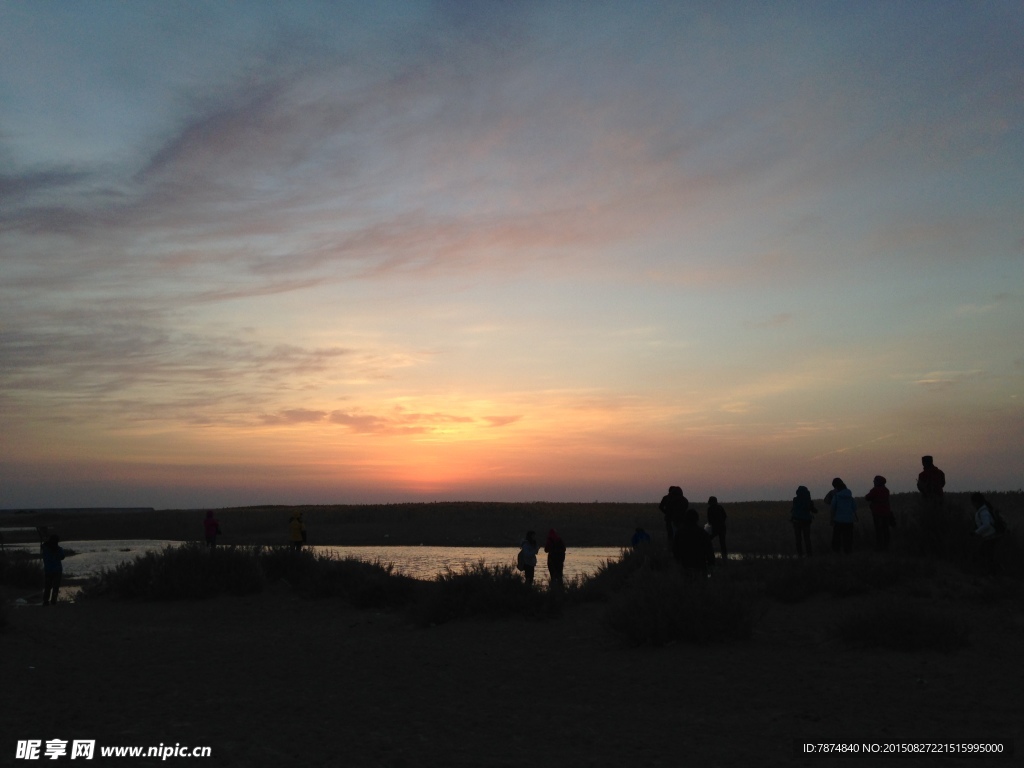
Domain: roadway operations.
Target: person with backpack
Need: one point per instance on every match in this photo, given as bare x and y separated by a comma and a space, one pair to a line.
800, 517
555, 547
716, 519
844, 515
989, 526
526, 561
878, 500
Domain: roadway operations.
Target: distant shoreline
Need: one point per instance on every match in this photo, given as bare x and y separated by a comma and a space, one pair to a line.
757, 526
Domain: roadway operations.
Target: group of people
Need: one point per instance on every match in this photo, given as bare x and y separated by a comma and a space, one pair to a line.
931, 483
843, 509
842, 515
692, 545
529, 549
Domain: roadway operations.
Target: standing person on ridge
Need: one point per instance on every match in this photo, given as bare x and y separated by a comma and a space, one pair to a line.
844, 515
673, 506
881, 514
555, 547
53, 569
296, 530
716, 519
211, 528
800, 516
930, 483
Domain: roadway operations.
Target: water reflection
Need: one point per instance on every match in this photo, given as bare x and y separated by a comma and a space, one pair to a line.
91, 557
428, 562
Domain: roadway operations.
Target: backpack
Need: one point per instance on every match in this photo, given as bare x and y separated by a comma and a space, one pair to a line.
522, 560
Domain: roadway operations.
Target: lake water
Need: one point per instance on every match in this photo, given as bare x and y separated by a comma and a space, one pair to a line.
419, 562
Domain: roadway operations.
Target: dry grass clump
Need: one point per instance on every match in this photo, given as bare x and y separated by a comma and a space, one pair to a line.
193, 571
21, 570
664, 606
364, 583
190, 571
791, 580
903, 626
489, 591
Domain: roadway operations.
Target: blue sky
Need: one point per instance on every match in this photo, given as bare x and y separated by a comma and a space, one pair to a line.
328, 252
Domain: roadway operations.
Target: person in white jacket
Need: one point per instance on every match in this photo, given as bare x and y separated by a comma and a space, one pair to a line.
985, 531
527, 558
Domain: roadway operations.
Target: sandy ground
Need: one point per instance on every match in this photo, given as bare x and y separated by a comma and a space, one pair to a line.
276, 679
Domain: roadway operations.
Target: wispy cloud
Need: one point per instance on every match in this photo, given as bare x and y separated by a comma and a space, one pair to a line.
783, 318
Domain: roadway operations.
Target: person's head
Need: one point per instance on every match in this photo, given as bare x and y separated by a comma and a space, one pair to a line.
209, 513
879, 480
927, 461
692, 518
978, 500
803, 491
675, 490
531, 535
53, 540
838, 483
712, 500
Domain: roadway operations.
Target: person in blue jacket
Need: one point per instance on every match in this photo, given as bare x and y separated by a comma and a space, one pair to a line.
844, 515
639, 538
53, 569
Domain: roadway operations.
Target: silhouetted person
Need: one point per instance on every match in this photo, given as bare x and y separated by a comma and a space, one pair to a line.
844, 515
692, 546
673, 506
881, 513
211, 528
716, 519
53, 569
555, 547
527, 559
639, 538
800, 515
930, 483
296, 530
986, 533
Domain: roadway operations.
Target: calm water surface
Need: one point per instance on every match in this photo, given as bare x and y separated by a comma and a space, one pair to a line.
419, 562
428, 562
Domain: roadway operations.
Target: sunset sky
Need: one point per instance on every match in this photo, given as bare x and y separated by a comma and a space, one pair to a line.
376, 252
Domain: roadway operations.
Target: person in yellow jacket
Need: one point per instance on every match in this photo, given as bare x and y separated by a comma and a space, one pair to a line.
297, 530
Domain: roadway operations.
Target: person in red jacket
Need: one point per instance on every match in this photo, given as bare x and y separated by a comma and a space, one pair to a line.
878, 500
555, 547
211, 528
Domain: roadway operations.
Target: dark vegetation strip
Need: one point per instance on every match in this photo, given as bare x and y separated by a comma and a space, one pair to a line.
648, 600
